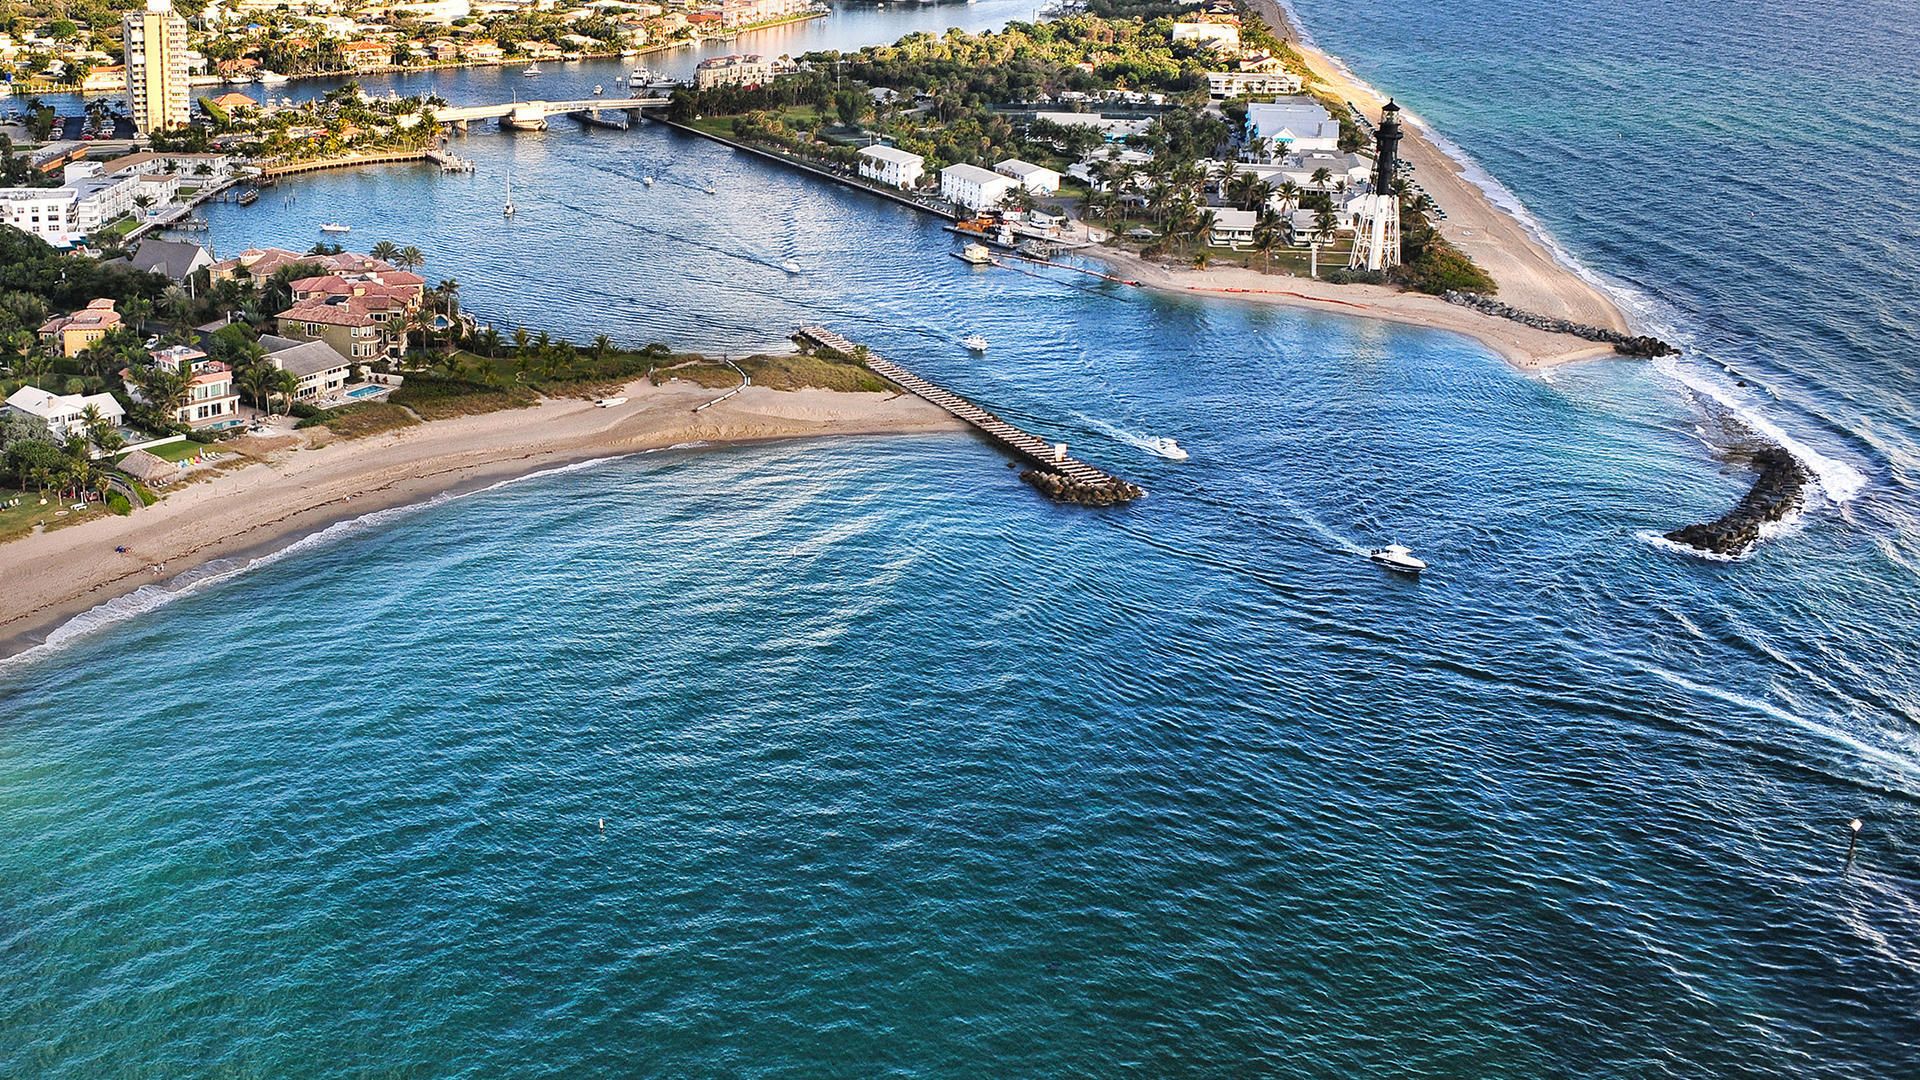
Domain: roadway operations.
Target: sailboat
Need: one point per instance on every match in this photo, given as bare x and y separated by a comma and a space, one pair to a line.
507, 210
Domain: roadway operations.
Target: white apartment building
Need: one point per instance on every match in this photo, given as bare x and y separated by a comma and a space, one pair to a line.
155, 42
734, 71
1293, 126
892, 166
1226, 84
1217, 35
974, 187
1035, 178
65, 215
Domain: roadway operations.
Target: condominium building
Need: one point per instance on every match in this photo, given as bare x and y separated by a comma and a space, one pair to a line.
156, 53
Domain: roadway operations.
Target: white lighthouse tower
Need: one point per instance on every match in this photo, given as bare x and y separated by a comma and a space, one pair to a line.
1376, 245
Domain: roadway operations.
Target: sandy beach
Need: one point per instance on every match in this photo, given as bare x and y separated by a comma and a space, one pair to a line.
1527, 273
303, 482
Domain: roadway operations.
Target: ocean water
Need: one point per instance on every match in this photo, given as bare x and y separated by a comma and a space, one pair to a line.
856, 758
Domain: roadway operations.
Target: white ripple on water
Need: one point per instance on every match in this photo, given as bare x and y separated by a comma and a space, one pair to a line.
1905, 767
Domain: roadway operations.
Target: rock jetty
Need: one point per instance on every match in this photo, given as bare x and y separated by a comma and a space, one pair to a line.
1777, 492
1068, 490
1626, 344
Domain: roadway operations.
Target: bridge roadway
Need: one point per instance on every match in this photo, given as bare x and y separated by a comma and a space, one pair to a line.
463, 114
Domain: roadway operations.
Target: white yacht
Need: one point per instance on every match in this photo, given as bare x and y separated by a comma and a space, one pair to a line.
1168, 449
334, 226
1397, 557
975, 342
647, 180
652, 83
532, 72
790, 266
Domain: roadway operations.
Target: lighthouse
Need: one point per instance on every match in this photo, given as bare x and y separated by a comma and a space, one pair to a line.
1376, 241
1387, 148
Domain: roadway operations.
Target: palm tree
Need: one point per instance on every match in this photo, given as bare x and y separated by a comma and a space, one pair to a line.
411, 258
602, 345
520, 339
1201, 225
1321, 176
490, 342
1290, 193
1240, 190
284, 383
1324, 223
386, 251
257, 382
165, 387
1265, 239
449, 293
178, 303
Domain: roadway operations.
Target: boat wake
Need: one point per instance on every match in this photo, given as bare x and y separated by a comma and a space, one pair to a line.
1160, 446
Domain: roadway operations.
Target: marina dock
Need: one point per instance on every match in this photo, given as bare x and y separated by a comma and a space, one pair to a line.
1062, 478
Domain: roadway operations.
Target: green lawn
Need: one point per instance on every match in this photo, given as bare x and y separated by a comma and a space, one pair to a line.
176, 451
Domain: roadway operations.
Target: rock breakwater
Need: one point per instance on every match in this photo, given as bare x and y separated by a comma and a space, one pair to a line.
1776, 492
1065, 489
1626, 344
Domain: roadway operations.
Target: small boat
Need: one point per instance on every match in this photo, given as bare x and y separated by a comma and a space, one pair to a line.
646, 80
270, 78
334, 226
1168, 449
596, 89
974, 342
532, 72
647, 180
790, 266
1397, 557
507, 210
975, 254
609, 402
709, 189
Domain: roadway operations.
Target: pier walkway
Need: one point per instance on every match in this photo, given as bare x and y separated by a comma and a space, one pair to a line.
1077, 481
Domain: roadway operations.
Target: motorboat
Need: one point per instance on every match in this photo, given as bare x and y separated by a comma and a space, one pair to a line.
334, 226
975, 342
507, 210
1168, 449
790, 266
532, 72
609, 402
975, 254
653, 84
647, 180
711, 190
1397, 557
596, 89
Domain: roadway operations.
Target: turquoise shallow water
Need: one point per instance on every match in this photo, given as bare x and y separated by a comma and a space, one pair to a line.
904, 771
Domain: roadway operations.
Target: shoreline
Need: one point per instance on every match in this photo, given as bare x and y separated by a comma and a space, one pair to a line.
1530, 275
293, 493
1522, 346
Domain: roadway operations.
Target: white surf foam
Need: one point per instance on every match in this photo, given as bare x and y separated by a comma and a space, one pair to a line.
1654, 539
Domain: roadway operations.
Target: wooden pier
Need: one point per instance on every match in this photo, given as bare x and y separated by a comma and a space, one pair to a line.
1062, 478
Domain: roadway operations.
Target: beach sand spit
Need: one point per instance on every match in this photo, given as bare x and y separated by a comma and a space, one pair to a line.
51, 577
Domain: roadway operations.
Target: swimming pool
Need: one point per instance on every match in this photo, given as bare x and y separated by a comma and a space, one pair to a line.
367, 391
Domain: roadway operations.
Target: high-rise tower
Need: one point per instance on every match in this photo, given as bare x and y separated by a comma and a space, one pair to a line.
156, 54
